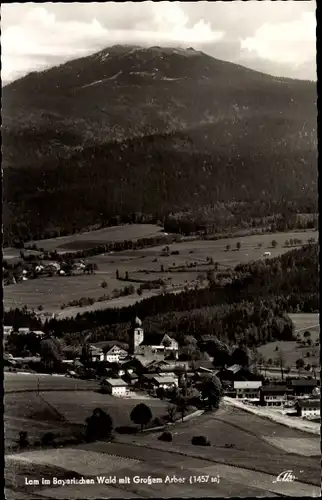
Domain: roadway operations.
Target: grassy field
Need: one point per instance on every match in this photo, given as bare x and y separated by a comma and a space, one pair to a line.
247, 469
291, 349
62, 403
14, 382
145, 264
250, 437
92, 238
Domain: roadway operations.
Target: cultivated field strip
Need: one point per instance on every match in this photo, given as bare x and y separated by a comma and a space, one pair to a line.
84, 462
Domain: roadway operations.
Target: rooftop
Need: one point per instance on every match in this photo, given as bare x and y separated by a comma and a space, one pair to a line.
115, 382
247, 384
303, 383
276, 389
234, 368
153, 339
165, 380
308, 403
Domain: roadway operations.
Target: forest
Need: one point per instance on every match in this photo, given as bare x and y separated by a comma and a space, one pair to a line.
250, 310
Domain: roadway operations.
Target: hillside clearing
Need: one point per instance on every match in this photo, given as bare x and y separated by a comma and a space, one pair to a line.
144, 264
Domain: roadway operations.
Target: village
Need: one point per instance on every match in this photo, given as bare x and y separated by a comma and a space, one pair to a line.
150, 367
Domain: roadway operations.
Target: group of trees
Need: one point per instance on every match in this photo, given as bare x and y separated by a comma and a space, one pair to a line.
251, 307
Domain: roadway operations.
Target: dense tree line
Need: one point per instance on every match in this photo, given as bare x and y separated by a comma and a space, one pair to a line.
251, 309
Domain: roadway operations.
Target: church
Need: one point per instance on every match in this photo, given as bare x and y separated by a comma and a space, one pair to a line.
156, 343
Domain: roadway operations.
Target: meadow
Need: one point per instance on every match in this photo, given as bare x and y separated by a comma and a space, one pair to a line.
245, 440
291, 350
91, 239
144, 264
62, 405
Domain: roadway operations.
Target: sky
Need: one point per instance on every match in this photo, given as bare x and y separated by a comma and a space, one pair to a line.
277, 37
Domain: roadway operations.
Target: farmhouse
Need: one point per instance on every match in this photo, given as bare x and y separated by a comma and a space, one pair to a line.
235, 373
247, 389
302, 387
97, 354
115, 354
308, 408
38, 333
115, 387
7, 330
23, 331
165, 382
274, 395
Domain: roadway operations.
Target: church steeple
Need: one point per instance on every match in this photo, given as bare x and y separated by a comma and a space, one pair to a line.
137, 334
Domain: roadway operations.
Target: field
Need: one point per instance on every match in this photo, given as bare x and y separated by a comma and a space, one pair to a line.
62, 404
293, 351
92, 238
144, 264
248, 469
14, 382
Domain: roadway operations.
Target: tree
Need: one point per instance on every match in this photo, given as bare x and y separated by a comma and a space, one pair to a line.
280, 359
172, 410
85, 357
117, 274
238, 245
240, 357
182, 406
139, 291
162, 268
286, 244
141, 415
166, 344
299, 365
126, 275
23, 439
307, 334
51, 352
260, 360
99, 425
212, 392
274, 243
227, 248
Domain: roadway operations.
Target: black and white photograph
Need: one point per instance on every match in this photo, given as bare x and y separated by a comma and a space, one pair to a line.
160, 250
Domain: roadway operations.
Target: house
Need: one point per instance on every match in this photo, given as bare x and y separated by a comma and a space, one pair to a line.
7, 330
115, 387
97, 354
154, 343
236, 373
308, 408
158, 366
248, 389
130, 377
159, 343
164, 382
274, 395
23, 331
115, 354
38, 333
302, 387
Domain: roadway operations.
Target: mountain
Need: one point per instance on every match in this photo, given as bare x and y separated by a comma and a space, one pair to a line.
151, 130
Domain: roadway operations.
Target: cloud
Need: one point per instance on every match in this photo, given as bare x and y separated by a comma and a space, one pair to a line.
40, 36
277, 37
285, 43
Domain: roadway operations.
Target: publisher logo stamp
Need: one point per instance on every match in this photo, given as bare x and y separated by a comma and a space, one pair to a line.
287, 476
